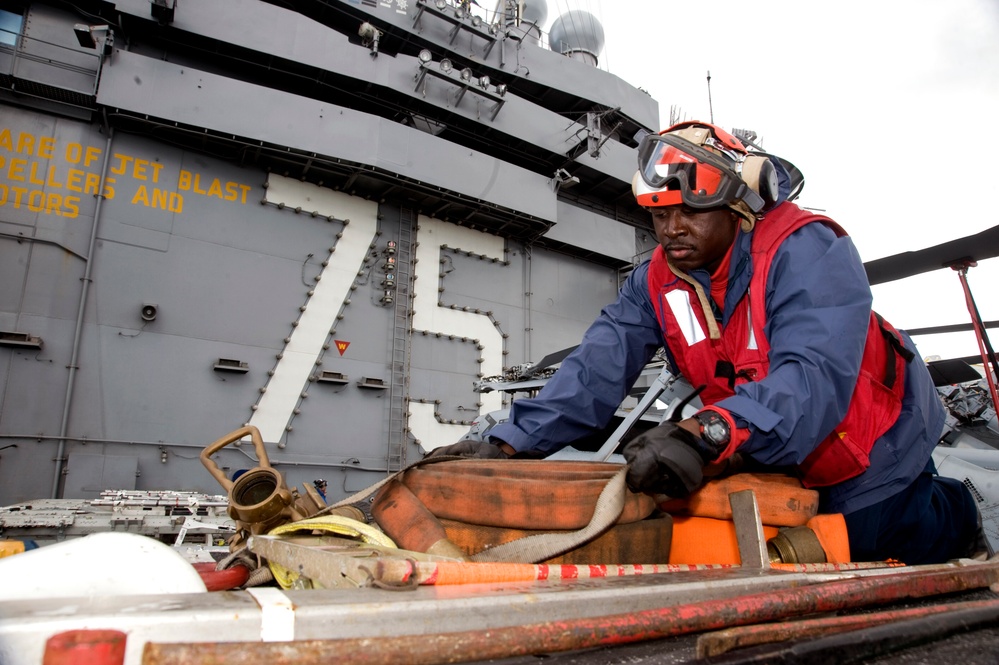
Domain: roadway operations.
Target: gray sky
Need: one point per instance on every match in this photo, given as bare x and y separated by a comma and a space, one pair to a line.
887, 106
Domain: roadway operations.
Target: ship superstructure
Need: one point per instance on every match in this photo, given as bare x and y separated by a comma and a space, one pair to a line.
323, 219
348, 228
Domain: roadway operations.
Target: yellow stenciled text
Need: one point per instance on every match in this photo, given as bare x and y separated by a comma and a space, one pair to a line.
45, 175
140, 169
227, 191
31, 184
159, 198
37, 200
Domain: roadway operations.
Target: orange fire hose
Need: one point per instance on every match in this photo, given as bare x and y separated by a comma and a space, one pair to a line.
527, 494
781, 499
408, 522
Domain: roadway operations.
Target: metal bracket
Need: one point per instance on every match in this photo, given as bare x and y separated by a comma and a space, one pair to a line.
458, 22
749, 530
340, 563
661, 383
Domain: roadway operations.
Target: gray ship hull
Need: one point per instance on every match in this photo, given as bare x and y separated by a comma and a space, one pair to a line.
294, 231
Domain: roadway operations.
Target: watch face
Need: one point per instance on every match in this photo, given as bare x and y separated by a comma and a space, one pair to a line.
714, 429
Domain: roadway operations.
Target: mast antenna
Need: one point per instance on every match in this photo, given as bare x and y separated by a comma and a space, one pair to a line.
711, 109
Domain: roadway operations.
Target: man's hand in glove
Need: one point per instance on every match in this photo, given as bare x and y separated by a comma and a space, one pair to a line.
668, 459
476, 449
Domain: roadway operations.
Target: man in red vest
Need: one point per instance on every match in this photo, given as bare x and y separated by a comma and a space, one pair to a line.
766, 307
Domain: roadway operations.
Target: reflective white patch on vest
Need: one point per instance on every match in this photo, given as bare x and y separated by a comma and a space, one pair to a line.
749, 319
679, 304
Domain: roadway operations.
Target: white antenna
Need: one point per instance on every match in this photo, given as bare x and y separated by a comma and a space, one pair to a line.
711, 109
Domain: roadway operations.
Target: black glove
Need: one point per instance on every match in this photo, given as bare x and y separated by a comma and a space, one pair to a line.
667, 460
470, 448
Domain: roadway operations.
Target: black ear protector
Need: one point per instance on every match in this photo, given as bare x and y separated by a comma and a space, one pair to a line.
761, 176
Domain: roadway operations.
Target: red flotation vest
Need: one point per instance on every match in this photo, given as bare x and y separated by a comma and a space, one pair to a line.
741, 354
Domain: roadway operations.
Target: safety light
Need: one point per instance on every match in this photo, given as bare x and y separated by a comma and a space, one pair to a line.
501, 89
466, 74
88, 36
477, 21
425, 56
446, 66
441, 4
483, 82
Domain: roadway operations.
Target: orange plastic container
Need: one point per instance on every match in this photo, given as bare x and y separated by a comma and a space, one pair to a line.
707, 540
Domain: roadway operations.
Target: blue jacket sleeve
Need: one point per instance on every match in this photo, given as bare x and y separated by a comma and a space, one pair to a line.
818, 305
592, 381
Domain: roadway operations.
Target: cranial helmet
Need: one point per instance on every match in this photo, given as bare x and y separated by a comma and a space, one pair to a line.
703, 166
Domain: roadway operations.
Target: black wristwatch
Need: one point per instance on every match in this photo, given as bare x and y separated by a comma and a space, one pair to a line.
714, 430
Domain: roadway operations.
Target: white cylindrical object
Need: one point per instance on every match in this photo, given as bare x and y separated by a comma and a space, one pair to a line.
101, 564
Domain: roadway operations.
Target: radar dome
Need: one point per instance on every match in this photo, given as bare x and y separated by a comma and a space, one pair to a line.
577, 34
533, 16
535, 11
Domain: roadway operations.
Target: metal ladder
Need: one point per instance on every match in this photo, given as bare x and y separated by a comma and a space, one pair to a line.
398, 434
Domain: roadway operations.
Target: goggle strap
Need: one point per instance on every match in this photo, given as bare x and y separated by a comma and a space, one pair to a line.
753, 200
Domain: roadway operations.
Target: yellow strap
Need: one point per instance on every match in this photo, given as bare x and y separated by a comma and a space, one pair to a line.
342, 526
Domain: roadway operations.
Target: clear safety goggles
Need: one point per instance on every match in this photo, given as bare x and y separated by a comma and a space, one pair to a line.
678, 171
